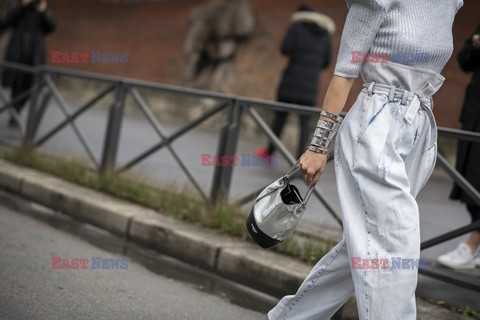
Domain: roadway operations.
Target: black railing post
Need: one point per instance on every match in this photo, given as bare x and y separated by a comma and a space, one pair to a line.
112, 133
32, 118
227, 146
41, 110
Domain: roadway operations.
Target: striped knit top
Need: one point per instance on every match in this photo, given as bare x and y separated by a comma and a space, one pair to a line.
411, 32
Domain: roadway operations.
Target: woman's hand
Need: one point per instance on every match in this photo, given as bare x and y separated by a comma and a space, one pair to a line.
312, 164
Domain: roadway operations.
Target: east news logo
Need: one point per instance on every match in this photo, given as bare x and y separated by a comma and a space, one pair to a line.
93, 263
92, 57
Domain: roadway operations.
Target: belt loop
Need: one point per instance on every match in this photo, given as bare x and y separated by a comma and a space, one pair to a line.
405, 96
412, 109
370, 88
391, 93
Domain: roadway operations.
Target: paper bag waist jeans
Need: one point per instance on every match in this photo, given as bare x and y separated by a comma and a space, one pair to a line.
384, 154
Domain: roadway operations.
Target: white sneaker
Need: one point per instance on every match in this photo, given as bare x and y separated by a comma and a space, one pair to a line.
477, 258
460, 258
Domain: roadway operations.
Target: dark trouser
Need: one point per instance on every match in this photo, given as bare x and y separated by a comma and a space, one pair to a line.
21, 84
475, 213
279, 123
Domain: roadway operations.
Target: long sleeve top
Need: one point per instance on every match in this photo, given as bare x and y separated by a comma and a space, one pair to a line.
412, 32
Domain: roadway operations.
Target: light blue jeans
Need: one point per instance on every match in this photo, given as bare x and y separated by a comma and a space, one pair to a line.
384, 154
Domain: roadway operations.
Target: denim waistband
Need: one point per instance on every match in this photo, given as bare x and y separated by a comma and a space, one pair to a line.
423, 82
414, 100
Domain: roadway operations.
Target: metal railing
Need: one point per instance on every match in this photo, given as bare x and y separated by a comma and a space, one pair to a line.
236, 108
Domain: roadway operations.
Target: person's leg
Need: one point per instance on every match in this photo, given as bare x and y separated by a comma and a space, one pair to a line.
277, 127
323, 292
381, 222
329, 285
16, 91
464, 255
21, 84
380, 216
474, 239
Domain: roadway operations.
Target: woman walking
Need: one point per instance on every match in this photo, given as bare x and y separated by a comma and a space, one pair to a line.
385, 152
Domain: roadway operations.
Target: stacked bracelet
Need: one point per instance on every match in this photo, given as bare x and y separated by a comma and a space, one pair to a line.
318, 150
335, 117
324, 132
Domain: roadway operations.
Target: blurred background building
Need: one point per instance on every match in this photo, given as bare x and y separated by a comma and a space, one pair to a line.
154, 33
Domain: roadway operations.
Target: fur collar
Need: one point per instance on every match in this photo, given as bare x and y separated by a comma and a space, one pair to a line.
320, 19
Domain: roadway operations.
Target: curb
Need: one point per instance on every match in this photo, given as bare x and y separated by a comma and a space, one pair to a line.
227, 256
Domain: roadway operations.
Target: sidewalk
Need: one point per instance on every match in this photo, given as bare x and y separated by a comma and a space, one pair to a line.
438, 214
237, 260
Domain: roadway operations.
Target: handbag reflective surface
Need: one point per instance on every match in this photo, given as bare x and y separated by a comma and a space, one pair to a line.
276, 211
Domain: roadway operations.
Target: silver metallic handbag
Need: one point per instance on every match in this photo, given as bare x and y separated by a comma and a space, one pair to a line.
277, 211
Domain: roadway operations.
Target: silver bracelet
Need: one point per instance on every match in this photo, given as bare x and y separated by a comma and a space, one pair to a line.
333, 116
318, 150
325, 134
320, 142
327, 125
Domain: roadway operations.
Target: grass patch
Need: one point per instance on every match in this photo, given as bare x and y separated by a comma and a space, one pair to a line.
307, 249
467, 312
463, 311
225, 218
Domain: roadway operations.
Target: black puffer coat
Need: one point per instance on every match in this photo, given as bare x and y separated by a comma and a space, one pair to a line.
468, 156
308, 46
27, 41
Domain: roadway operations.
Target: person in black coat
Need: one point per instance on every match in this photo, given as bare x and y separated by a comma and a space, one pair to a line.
468, 155
30, 21
308, 46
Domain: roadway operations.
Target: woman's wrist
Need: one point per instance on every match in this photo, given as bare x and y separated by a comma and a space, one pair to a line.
319, 150
325, 131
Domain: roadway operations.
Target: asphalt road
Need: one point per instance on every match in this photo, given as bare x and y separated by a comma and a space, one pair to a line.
150, 287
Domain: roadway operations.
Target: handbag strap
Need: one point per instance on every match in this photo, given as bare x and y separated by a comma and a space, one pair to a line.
311, 186
292, 170
309, 192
